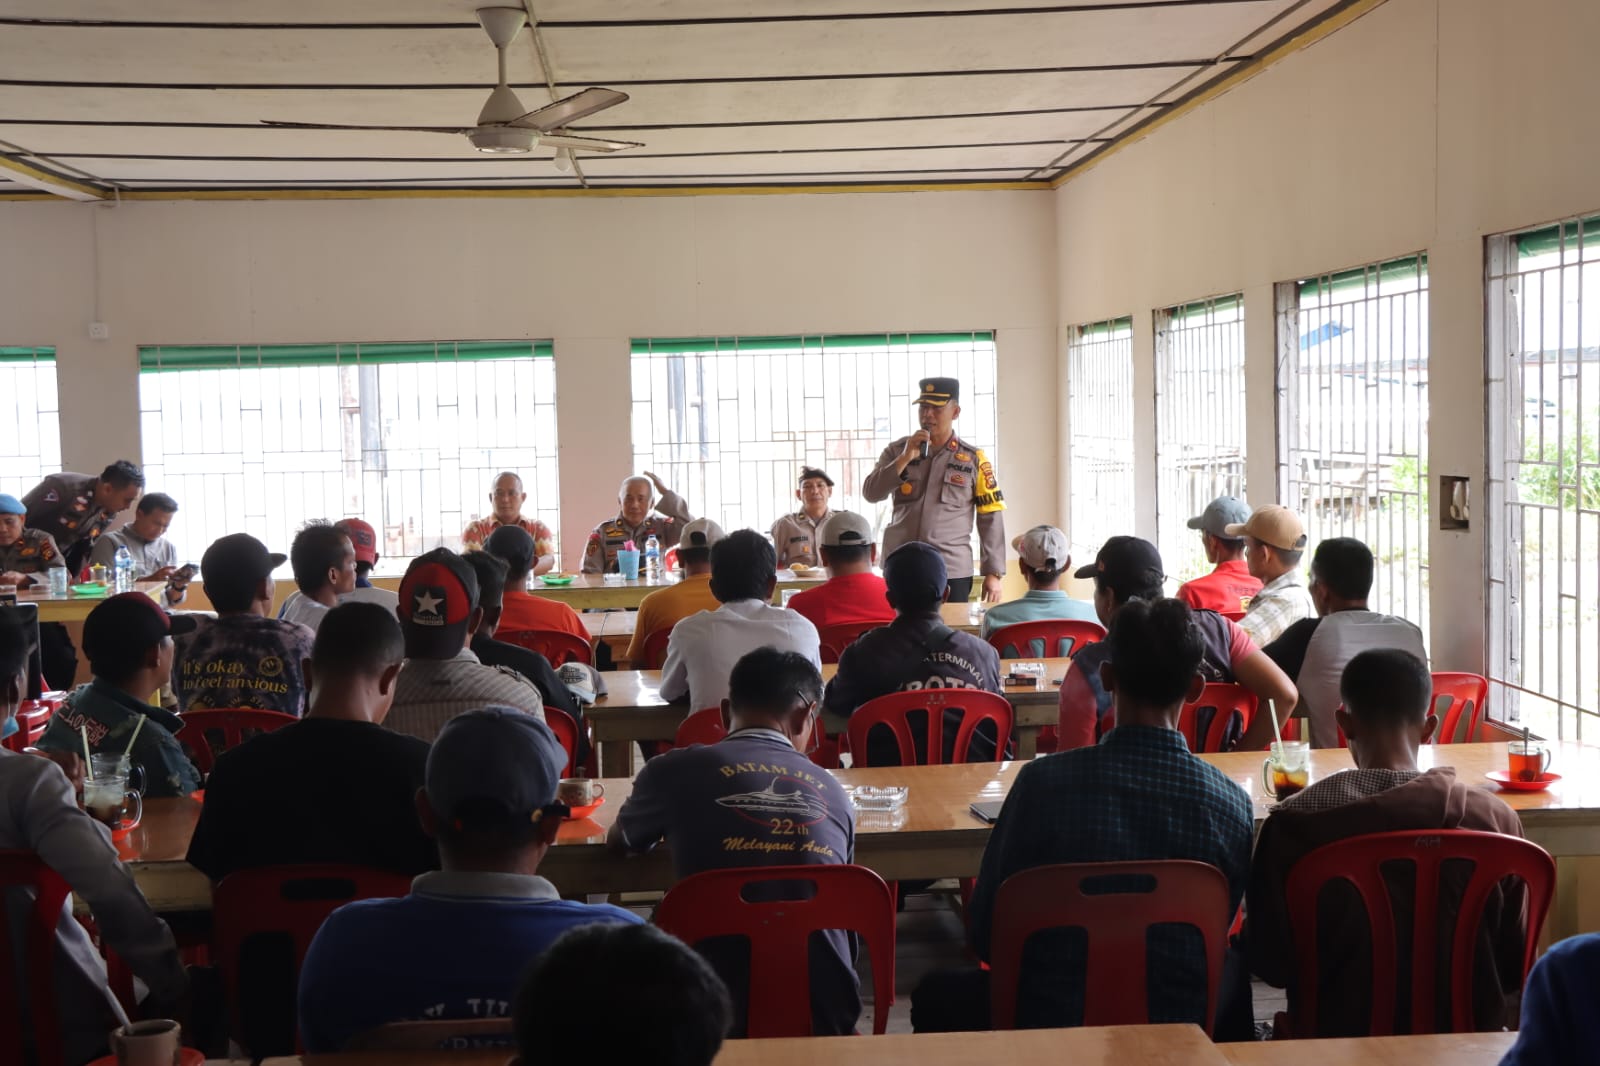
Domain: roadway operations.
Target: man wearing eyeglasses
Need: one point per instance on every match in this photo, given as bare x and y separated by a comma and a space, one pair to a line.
755, 800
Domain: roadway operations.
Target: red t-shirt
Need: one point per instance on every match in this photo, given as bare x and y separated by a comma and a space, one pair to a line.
1227, 590
844, 600
521, 611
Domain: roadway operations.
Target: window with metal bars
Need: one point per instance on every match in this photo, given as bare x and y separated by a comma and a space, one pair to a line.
1200, 422
1100, 420
728, 422
1353, 426
1543, 315
262, 439
30, 409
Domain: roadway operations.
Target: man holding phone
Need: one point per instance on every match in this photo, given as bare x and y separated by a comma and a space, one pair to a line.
154, 557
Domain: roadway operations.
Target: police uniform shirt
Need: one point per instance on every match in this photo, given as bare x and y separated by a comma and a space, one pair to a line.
666, 525
798, 537
63, 506
31, 553
935, 501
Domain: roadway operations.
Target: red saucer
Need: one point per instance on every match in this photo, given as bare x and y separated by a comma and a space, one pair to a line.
585, 811
187, 1056
122, 831
1511, 784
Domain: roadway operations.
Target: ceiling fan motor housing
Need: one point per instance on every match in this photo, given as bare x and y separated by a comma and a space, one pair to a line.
501, 139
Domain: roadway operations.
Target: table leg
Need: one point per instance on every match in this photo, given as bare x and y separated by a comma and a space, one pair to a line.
616, 758
1027, 742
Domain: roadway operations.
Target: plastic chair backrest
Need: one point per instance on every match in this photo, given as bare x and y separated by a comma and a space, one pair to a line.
1359, 861
441, 1035
893, 711
835, 639
234, 725
288, 900
713, 904
654, 650
32, 717
1224, 711
701, 727
1050, 638
553, 644
1466, 692
566, 731
24, 869
1116, 916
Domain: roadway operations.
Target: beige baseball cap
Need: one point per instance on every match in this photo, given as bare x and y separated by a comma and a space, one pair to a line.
701, 533
1272, 524
846, 529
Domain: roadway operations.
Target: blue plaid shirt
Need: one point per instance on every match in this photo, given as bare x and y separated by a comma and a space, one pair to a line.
1137, 795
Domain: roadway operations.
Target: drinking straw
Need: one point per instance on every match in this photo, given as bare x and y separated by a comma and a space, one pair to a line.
88, 766
137, 726
1276, 731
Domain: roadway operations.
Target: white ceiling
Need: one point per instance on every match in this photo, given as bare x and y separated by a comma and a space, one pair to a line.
170, 96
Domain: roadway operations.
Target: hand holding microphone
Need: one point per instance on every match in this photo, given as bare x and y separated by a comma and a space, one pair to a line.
916, 448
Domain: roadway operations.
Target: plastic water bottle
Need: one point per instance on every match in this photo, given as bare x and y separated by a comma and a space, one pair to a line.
122, 570
652, 556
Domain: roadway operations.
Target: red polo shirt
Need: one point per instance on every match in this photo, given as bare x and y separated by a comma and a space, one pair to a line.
1227, 590
844, 600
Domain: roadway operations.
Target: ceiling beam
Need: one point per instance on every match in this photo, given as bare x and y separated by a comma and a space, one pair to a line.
16, 169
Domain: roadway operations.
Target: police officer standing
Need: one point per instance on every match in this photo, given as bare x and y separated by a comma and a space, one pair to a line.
797, 536
76, 508
939, 483
634, 522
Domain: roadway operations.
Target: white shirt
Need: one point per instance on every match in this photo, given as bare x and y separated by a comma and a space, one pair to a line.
373, 594
1340, 637
303, 609
704, 647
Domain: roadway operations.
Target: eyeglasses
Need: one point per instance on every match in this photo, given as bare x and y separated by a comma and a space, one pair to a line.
812, 713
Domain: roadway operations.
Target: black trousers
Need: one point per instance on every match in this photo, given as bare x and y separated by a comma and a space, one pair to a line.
960, 589
58, 658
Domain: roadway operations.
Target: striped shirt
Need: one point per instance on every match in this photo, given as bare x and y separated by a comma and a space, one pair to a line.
1281, 603
430, 692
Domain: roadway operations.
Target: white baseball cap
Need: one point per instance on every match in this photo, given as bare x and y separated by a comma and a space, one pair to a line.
1043, 548
701, 533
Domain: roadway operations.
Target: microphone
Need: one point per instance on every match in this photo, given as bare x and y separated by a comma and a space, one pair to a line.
924, 449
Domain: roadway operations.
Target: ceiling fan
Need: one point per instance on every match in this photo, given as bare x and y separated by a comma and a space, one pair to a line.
505, 126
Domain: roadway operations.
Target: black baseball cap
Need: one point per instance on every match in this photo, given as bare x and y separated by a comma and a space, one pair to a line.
437, 596
1124, 562
914, 572
494, 764
240, 554
123, 628
513, 544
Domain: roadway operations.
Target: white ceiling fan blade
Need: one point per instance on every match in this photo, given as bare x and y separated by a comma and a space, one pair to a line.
336, 126
570, 109
585, 144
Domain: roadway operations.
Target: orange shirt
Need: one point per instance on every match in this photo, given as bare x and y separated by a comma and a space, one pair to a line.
520, 611
663, 608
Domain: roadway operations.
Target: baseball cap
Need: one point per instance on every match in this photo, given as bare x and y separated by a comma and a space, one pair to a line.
494, 765
846, 529
809, 472
701, 533
362, 537
1219, 514
1043, 548
582, 680
937, 392
513, 544
1124, 562
124, 625
11, 505
914, 572
437, 596
240, 554
1272, 524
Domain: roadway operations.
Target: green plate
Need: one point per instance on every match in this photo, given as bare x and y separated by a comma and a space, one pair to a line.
90, 590
558, 581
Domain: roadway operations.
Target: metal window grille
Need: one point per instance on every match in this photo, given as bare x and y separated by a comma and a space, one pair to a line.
407, 436
1543, 304
1200, 422
30, 409
1100, 416
1353, 434
729, 421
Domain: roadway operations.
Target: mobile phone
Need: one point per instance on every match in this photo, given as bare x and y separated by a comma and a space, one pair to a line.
184, 572
986, 811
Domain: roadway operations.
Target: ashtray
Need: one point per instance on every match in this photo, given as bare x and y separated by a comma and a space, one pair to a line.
879, 798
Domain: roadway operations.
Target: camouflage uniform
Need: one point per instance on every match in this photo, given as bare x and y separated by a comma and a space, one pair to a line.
964, 486
798, 536
600, 554
63, 506
32, 553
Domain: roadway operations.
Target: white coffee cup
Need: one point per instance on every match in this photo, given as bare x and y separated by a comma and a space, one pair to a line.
155, 1042
579, 791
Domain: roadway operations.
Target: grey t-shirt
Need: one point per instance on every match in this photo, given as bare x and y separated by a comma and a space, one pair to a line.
752, 800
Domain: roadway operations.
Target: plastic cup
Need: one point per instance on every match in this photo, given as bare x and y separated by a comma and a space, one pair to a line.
628, 564
59, 581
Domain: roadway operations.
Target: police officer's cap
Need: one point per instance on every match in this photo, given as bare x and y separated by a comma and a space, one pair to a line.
938, 392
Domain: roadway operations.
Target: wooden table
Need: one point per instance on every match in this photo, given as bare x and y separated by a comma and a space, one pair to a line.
72, 607
1456, 1049
596, 591
1127, 1045
633, 709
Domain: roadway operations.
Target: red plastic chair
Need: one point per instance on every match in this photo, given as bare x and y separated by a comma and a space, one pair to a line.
290, 901
701, 727
24, 869
1467, 694
557, 646
1116, 923
32, 717
1057, 638
893, 711
209, 733
654, 650
1230, 709
835, 639
566, 731
1360, 861
713, 904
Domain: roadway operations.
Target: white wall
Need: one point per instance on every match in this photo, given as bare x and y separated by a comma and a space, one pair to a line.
590, 274
1423, 125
